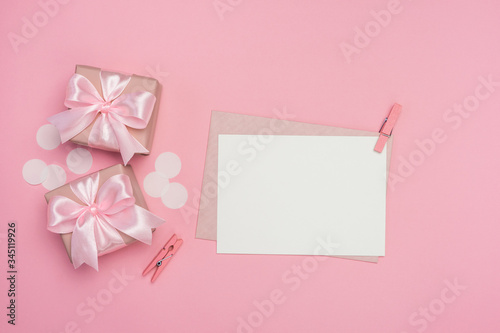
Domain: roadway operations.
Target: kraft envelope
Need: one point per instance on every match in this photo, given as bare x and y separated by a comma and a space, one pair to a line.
232, 123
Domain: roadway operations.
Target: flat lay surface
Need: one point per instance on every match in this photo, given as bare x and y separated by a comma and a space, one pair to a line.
335, 64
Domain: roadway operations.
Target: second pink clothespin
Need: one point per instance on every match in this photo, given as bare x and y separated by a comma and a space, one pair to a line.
163, 257
386, 129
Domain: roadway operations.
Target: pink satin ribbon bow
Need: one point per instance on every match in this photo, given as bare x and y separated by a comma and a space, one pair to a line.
117, 111
94, 225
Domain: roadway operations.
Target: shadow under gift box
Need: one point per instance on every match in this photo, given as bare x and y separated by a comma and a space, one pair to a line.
137, 83
104, 175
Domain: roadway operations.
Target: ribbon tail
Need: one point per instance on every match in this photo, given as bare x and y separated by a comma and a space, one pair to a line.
83, 245
102, 135
106, 236
71, 122
136, 222
127, 143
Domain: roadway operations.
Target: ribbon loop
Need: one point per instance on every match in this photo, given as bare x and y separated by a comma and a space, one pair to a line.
114, 111
95, 224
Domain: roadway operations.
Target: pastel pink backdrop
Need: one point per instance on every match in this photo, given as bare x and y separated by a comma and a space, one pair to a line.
442, 221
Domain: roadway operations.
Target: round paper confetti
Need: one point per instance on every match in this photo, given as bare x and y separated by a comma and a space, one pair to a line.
48, 137
175, 197
33, 171
168, 164
79, 160
56, 176
156, 184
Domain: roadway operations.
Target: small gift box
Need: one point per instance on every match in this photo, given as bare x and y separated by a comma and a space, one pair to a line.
100, 213
110, 111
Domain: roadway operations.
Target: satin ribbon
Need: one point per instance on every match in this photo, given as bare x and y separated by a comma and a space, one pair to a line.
95, 223
117, 111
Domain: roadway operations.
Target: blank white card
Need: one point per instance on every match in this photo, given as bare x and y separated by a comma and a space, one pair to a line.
301, 195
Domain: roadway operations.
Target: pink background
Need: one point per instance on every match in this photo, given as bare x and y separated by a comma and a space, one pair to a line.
261, 55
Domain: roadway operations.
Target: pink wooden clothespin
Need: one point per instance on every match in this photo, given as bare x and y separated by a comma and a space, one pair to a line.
386, 129
163, 257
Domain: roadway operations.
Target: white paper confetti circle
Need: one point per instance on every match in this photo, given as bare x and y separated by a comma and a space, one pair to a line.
33, 171
156, 184
175, 197
79, 160
48, 137
56, 176
168, 164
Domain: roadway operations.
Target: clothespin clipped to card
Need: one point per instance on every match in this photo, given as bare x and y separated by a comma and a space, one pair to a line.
163, 257
387, 126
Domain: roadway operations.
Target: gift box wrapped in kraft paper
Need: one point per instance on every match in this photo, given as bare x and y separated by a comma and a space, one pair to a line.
110, 111
100, 213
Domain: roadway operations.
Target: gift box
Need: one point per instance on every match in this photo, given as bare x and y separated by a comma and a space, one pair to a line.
110, 111
100, 213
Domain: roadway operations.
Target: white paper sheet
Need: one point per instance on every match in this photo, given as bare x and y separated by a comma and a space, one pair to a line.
294, 194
